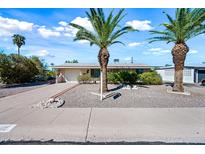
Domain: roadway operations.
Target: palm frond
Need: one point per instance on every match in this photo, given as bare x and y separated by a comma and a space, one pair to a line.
115, 42
106, 30
187, 24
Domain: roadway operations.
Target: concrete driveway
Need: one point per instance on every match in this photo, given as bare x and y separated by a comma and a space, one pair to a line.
97, 125
27, 98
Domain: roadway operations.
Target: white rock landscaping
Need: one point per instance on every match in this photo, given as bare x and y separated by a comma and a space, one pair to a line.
50, 103
129, 87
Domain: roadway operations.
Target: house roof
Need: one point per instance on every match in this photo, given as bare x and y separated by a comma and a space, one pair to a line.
196, 66
115, 65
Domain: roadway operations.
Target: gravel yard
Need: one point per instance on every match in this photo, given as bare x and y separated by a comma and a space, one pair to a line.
15, 89
143, 97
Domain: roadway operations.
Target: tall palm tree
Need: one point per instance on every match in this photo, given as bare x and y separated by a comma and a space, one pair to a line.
105, 33
18, 40
188, 23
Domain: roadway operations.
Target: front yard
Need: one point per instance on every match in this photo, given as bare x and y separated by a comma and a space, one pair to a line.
143, 97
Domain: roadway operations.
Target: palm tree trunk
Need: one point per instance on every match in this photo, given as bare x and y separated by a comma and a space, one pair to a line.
103, 58
179, 55
18, 50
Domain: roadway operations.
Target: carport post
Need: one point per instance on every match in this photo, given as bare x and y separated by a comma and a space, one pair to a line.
101, 85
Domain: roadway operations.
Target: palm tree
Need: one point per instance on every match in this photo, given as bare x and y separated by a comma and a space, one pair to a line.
188, 23
105, 33
18, 40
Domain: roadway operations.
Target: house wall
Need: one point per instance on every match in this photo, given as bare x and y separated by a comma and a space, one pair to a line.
71, 74
168, 75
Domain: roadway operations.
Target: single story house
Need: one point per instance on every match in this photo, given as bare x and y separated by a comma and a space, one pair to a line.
192, 73
69, 72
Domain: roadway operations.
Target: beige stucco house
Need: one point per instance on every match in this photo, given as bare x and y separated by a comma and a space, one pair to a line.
69, 72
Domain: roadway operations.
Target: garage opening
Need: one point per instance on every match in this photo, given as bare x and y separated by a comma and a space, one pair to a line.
201, 75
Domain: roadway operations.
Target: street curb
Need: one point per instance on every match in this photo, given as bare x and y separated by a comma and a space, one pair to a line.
52, 142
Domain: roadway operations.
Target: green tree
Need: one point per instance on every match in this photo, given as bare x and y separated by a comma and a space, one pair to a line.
188, 23
52, 64
18, 40
39, 65
71, 61
16, 69
106, 33
167, 65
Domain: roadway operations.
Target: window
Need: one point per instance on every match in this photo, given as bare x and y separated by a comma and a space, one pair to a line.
139, 71
95, 73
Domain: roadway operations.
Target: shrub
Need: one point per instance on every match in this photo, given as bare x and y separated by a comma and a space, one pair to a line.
50, 74
128, 77
125, 77
150, 78
16, 69
113, 78
85, 78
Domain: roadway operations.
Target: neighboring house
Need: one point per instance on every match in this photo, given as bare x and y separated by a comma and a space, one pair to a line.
192, 73
70, 71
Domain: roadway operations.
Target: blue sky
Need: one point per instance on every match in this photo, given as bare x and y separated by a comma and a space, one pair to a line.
49, 36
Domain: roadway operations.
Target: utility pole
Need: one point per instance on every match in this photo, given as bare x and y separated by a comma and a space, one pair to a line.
101, 85
131, 60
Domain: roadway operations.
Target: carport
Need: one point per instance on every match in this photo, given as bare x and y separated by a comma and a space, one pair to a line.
201, 75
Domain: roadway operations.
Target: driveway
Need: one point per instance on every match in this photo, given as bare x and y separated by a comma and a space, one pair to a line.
97, 125
18, 88
28, 98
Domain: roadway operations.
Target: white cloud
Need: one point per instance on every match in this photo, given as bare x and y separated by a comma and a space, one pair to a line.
140, 25
13, 24
63, 23
68, 34
146, 53
4, 32
83, 41
71, 31
128, 58
165, 51
193, 51
59, 29
46, 33
156, 51
135, 44
65, 29
83, 22
161, 52
8, 26
41, 53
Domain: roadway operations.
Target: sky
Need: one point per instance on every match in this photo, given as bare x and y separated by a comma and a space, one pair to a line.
49, 36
